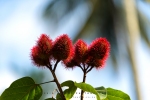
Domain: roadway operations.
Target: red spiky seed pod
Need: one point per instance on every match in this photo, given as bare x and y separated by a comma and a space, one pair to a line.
40, 54
38, 57
99, 49
70, 64
97, 63
45, 44
70, 61
62, 47
80, 51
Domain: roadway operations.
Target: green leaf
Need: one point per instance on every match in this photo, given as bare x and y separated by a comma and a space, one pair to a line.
113, 94
58, 96
102, 92
71, 90
88, 88
22, 89
50, 99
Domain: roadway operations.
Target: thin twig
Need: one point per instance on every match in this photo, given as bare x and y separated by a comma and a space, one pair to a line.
81, 67
84, 67
89, 69
49, 66
46, 82
56, 65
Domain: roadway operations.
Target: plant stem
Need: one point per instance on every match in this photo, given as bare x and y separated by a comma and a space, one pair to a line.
55, 65
89, 69
85, 71
84, 78
46, 82
56, 81
81, 67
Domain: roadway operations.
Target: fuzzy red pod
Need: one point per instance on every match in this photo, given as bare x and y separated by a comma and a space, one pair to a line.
40, 54
70, 64
80, 51
99, 49
62, 47
38, 57
45, 44
97, 63
70, 61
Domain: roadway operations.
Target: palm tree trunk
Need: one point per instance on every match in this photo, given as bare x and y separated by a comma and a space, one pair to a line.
133, 33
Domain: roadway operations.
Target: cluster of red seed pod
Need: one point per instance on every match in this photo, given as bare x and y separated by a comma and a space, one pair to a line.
62, 49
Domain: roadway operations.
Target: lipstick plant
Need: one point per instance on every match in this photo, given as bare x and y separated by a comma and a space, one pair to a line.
86, 57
